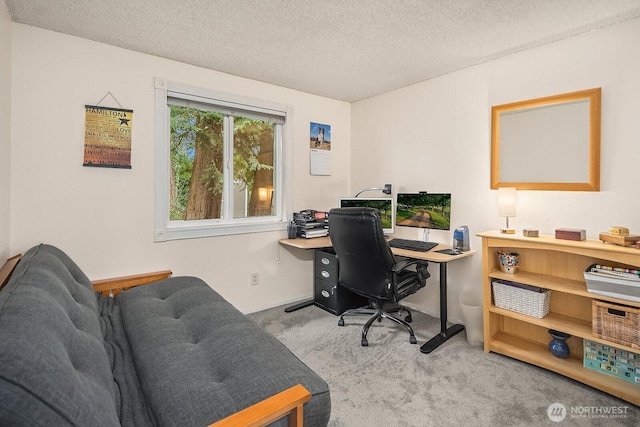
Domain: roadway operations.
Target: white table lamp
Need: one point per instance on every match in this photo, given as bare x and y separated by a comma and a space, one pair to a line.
507, 206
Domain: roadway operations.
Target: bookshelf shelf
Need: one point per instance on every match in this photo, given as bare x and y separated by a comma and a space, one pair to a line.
557, 265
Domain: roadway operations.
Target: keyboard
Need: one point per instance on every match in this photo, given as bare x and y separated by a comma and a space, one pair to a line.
412, 245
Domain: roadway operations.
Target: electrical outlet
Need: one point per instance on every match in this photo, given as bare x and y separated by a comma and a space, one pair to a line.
255, 279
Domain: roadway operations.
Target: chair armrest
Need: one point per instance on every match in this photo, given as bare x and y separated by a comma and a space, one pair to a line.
112, 287
402, 265
287, 403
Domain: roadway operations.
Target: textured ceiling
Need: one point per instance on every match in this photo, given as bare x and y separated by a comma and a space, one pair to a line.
342, 49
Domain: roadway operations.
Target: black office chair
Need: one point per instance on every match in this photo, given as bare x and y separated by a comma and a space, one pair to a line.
367, 267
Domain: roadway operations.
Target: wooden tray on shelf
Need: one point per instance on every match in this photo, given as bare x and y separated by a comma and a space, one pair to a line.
619, 240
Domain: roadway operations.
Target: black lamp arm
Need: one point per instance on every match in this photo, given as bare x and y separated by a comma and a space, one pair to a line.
386, 190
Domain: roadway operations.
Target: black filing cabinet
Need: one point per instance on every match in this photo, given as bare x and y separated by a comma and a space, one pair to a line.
327, 294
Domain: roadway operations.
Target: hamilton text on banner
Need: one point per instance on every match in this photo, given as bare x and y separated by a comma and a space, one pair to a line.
107, 137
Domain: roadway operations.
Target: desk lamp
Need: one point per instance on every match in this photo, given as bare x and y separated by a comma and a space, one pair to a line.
507, 206
386, 190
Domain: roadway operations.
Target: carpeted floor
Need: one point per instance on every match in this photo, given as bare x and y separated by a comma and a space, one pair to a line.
392, 383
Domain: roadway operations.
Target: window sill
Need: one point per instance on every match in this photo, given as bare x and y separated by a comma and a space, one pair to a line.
194, 232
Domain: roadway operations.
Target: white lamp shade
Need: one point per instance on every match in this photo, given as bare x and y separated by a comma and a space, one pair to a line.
507, 201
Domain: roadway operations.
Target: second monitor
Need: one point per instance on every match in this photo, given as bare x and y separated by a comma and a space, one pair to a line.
424, 210
383, 204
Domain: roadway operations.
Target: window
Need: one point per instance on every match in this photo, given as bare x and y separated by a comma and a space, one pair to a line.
219, 163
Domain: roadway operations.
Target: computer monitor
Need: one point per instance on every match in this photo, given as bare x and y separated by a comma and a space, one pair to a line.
383, 204
424, 210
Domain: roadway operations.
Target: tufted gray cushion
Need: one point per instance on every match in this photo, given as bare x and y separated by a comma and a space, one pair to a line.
199, 359
53, 366
171, 353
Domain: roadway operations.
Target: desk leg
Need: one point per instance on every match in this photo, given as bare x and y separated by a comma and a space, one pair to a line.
298, 306
445, 333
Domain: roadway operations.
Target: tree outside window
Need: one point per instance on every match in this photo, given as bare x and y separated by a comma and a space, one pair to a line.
197, 165
219, 163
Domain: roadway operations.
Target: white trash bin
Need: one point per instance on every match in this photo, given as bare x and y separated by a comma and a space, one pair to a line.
472, 316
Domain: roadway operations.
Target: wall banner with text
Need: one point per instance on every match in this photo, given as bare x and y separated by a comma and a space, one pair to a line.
107, 137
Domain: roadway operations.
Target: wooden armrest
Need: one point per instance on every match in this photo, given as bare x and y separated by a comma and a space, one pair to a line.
113, 286
286, 403
7, 269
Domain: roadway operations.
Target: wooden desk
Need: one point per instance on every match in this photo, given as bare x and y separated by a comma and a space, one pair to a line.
433, 255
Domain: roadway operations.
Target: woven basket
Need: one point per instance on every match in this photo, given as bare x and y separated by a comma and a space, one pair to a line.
535, 304
616, 323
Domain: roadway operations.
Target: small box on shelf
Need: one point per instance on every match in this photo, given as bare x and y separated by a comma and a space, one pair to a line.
618, 239
571, 234
612, 361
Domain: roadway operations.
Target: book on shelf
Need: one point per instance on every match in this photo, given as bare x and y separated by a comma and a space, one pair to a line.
625, 273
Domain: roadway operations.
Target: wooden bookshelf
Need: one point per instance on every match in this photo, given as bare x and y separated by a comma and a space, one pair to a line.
557, 265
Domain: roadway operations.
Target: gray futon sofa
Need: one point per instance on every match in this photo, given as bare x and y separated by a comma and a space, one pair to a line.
169, 353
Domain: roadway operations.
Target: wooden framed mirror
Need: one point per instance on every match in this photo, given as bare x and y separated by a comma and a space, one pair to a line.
550, 143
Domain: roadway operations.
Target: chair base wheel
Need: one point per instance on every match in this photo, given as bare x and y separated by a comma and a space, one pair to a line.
377, 313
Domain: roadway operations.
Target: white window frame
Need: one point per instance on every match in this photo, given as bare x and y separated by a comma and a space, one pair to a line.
167, 229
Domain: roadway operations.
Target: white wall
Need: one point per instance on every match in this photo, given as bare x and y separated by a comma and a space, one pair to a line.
435, 136
5, 129
104, 218
432, 136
